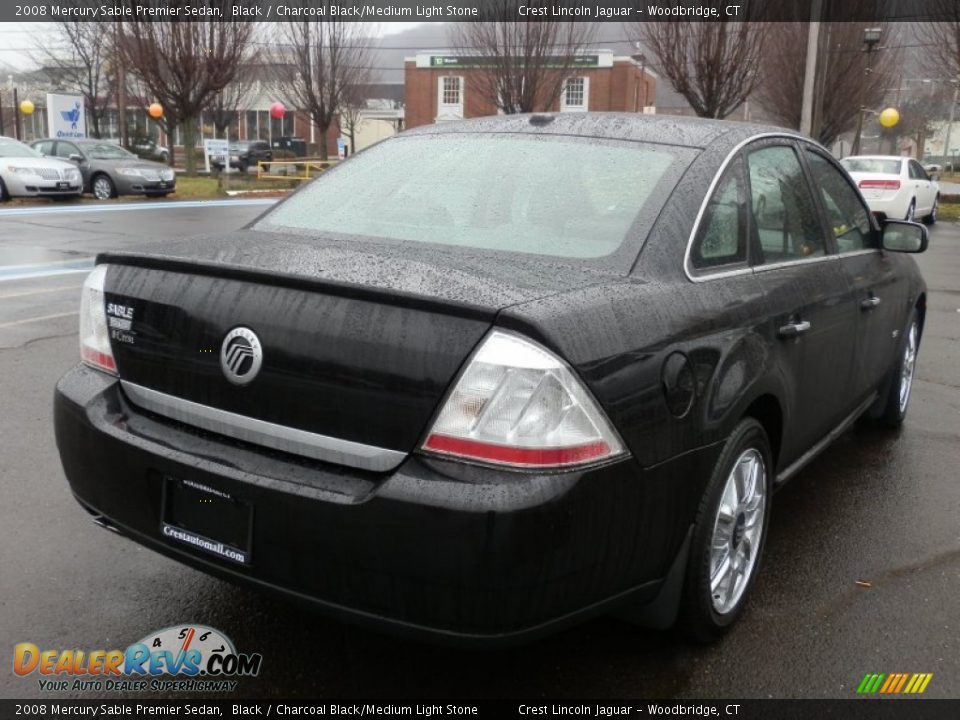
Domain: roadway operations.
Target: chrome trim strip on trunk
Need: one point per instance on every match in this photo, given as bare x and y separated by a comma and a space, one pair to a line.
261, 432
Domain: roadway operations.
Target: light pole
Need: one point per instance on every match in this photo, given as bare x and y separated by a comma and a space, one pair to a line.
946, 141
871, 36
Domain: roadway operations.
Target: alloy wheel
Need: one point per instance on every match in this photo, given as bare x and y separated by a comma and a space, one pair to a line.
737, 531
102, 189
907, 367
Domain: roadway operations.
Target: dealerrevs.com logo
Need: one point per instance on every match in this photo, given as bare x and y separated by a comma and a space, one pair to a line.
205, 656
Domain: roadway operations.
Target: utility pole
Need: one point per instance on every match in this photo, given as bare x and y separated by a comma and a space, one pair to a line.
16, 115
121, 88
871, 36
810, 73
946, 142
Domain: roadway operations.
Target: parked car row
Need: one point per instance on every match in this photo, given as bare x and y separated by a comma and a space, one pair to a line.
65, 169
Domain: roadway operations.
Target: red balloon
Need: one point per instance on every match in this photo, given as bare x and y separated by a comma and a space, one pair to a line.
277, 110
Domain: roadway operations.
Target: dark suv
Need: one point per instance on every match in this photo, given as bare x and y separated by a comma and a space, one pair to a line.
243, 154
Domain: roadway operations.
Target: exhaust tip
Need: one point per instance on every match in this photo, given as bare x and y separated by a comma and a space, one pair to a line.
105, 523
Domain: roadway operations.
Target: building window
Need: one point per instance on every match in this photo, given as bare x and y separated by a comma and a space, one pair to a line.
451, 90
575, 94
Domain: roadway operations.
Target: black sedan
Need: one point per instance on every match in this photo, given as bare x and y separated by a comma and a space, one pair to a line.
490, 378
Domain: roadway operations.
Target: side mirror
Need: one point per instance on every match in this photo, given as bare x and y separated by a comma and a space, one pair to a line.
77, 158
902, 236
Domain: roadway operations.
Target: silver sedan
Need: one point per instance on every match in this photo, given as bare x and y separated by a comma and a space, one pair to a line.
26, 173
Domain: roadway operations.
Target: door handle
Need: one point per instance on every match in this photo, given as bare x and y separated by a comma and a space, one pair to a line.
869, 303
793, 329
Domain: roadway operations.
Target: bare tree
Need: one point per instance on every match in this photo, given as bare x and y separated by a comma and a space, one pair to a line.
715, 66
941, 39
351, 112
184, 65
225, 104
526, 62
919, 113
79, 64
317, 61
844, 81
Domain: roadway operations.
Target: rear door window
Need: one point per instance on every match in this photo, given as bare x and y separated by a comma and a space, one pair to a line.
785, 219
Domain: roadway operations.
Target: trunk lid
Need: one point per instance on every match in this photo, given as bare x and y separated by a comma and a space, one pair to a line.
359, 343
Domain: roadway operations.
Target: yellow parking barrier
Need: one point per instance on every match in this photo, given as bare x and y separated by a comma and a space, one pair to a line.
292, 169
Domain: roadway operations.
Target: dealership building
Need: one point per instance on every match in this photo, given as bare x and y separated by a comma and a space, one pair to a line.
443, 86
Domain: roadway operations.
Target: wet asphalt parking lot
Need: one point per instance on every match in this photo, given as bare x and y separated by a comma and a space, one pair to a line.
879, 508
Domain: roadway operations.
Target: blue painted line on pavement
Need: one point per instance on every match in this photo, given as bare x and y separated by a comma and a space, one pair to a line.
119, 207
25, 272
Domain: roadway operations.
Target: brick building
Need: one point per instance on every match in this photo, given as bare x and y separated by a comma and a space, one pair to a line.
442, 86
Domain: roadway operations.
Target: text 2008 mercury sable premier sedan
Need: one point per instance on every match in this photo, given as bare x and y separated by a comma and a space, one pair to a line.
489, 378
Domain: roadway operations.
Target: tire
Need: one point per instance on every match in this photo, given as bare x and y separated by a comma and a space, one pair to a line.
102, 187
891, 408
4, 195
911, 210
713, 599
931, 219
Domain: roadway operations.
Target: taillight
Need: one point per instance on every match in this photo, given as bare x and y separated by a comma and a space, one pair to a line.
879, 184
518, 404
94, 333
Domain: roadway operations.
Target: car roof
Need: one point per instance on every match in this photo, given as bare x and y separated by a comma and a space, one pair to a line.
636, 127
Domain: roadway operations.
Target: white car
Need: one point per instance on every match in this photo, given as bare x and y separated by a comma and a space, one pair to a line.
26, 173
895, 187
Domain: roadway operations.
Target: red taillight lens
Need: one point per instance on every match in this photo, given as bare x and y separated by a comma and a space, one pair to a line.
879, 184
94, 331
519, 405
520, 456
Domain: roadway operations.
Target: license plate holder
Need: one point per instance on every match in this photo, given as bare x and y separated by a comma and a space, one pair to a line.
63, 185
207, 519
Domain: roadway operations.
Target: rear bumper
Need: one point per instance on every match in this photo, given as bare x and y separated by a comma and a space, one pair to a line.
894, 207
433, 548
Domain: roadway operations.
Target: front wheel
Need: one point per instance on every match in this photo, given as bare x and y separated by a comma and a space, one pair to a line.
103, 188
729, 534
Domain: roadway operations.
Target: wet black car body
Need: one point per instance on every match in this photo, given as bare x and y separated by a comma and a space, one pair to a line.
723, 329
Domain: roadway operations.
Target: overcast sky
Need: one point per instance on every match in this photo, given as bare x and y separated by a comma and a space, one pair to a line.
18, 39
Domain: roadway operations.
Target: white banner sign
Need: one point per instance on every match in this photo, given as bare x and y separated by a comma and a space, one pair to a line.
65, 116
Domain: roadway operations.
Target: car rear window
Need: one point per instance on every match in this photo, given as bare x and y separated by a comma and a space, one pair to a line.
872, 165
558, 196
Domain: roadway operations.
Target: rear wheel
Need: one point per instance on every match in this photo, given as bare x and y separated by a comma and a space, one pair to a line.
102, 187
911, 211
4, 195
729, 534
893, 410
931, 219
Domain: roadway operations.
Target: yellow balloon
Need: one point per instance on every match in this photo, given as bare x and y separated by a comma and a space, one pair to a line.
889, 117
26, 107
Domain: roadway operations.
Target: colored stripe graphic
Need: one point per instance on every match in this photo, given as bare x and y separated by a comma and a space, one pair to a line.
894, 683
